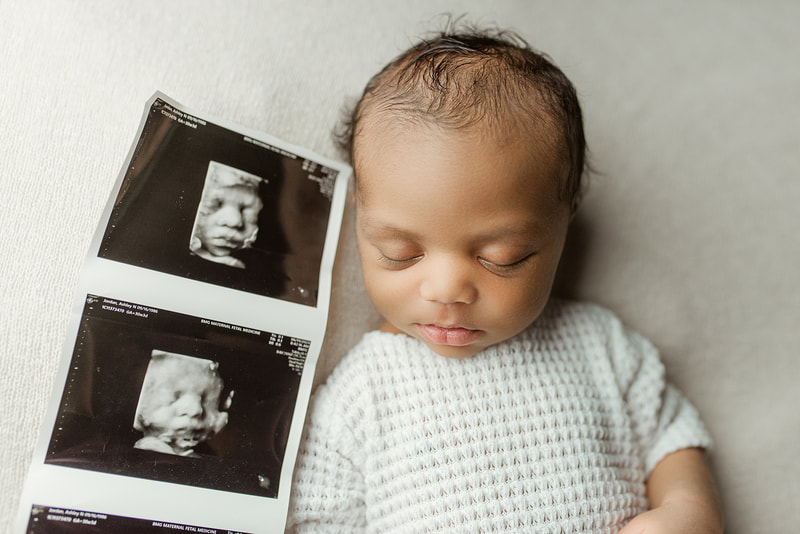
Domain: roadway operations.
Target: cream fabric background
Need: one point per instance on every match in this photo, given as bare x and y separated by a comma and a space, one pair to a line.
690, 234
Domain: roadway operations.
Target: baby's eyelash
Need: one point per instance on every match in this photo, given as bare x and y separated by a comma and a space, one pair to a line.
504, 268
397, 264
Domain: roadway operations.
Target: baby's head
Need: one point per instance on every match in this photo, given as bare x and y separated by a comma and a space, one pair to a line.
227, 217
468, 152
180, 405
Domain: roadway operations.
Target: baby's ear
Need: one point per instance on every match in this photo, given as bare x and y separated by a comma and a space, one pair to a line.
226, 404
573, 208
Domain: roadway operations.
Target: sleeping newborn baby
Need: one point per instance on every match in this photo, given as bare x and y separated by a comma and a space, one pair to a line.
180, 405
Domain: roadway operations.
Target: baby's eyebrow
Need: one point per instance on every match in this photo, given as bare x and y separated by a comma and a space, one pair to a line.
380, 230
505, 232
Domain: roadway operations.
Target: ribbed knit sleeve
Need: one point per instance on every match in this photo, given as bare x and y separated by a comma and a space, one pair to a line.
663, 420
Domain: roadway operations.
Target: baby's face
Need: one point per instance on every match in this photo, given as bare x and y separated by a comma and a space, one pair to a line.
180, 401
459, 235
227, 219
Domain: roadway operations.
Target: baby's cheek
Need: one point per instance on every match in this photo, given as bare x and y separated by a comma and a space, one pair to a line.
163, 416
250, 216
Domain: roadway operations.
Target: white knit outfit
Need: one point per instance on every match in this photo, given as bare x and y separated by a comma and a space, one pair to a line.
553, 431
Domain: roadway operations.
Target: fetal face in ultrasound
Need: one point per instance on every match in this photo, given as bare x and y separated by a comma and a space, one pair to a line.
181, 404
227, 218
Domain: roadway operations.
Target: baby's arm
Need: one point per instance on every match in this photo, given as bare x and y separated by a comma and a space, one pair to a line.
683, 498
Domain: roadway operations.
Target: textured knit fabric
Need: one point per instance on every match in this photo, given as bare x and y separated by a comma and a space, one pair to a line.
553, 431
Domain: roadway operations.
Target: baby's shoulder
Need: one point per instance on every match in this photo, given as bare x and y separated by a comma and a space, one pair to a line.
597, 335
577, 320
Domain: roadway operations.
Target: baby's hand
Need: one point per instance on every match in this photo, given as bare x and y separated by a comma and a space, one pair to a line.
684, 500
675, 517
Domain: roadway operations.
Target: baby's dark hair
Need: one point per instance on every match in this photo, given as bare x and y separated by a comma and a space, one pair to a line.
463, 76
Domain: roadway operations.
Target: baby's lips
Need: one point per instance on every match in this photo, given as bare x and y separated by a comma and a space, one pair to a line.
454, 336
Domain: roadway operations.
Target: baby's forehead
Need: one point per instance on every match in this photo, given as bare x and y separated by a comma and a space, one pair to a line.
176, 378
233, 192
378, 136
230, 178
179, 371
537, 126
220, 175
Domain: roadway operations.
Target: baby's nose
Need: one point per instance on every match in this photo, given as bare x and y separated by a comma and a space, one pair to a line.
189, 404
448, 281
230, 216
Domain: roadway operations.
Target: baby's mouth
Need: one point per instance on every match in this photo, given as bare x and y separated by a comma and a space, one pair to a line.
455, 336
186, 442
227, 242
187, 437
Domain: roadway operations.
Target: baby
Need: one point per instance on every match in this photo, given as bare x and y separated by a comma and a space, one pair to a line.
227, 218
180, 405
482, 404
